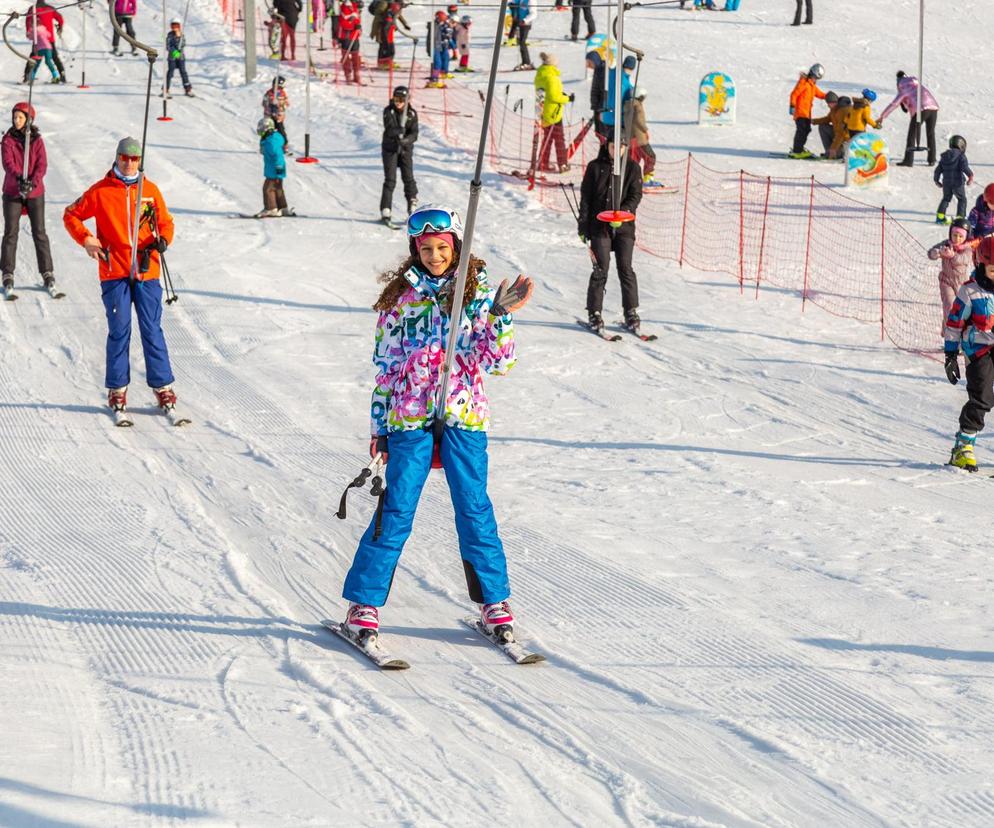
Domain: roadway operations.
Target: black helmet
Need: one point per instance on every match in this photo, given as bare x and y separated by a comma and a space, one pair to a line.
962, 224
400, 92
958, 142
845, 100
280, 81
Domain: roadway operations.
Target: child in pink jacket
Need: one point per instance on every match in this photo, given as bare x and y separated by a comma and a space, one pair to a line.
956, 263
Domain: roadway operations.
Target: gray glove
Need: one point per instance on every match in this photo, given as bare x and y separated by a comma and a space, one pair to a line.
510, 298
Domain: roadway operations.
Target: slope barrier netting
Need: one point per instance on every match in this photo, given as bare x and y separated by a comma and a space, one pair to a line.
851, 259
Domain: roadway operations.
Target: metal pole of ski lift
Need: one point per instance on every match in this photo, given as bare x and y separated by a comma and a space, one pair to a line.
616, 214
308, 158
475, 186
250, 35
921, 75
165, 33
84, 8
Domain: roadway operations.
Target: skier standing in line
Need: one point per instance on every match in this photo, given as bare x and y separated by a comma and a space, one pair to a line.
627, 88
461, 30
440, 48
24, 192
398, 151
597, 195
124, 11
582, 7
597, 92
642, 151
411, 333
957, 262
290, 11
524, 17
549, 82
175, 44
969, 323
349, 34
111, 201
275, 103
52, 21
272, 146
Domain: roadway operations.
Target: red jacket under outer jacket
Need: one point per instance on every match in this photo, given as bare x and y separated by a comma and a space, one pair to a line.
12, 150
112, 203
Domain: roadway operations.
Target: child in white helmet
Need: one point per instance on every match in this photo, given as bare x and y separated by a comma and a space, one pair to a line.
175, 44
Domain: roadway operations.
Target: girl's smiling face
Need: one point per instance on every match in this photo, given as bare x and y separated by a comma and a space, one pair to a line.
435, 254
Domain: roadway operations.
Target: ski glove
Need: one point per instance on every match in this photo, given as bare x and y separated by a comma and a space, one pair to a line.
792, 110
24, 186
572, 97
378, 445
159, 244
952, 366
509, 299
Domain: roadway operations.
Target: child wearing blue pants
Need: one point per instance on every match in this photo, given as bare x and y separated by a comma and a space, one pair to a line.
411, 332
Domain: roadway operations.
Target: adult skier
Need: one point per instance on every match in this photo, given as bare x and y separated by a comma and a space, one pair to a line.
24, 193
111, 203
400, 132
290, 11
597, 195
43, 25
411, 333
124, 11
969, 324
548, 82
907, 99
582, 7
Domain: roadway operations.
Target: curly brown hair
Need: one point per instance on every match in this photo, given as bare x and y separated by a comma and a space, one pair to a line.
396, 284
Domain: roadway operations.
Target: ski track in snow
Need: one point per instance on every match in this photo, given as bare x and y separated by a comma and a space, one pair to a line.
707, 535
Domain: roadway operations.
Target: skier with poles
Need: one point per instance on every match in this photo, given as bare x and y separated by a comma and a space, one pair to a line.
349, 33
400, 132
127, 279
24, 191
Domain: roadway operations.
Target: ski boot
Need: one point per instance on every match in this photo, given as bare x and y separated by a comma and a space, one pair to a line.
942, 218
802, 154
412, 205
165, 397
188, 91
287, 212
272, 213
362, 621
497, 620
8, 287
962, 456
595, 321
632, 321
117, 398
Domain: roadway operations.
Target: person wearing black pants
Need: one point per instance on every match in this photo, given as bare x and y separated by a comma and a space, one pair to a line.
805, 6
929, 117
582, 7
398, 151
596, 195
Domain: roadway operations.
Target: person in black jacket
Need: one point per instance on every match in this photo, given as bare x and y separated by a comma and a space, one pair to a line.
400, 131
582, 7
290, 10
597, 91
951, 173
596, 195
803, 6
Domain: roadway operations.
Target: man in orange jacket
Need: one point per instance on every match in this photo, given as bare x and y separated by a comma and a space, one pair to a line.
801, 98
111, 202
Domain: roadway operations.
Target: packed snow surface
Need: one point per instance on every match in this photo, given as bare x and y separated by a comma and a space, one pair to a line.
764, 600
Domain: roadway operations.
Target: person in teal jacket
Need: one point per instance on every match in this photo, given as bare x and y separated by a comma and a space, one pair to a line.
272, 146
627, 88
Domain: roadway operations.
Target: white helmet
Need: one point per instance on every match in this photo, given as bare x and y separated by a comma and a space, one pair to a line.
176, 21
265, 126
640, 92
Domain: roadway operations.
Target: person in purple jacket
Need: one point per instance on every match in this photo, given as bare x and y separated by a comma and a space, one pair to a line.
124, 11
981, 217
24, 193
907, 99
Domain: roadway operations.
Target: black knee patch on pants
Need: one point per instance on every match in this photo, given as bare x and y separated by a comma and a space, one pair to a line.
472, 583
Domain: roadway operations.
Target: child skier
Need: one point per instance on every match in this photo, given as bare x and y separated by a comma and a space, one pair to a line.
411, 333
271, 145
440, 44
859, 116
349, 33
175, 44
641, 149
970, 321
275, 103
523, 17
981, 217
462, 42
801, 98
950, 174
388, 29
957, 261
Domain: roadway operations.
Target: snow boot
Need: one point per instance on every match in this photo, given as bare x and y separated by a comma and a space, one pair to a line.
117, 398
962, 456
497, 619
165, 397
8, 280
362, 619
595, 321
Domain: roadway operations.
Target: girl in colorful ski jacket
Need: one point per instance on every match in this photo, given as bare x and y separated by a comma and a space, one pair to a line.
411, 335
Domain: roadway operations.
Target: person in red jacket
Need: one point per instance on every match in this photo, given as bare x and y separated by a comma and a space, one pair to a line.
51, 21
111, 203
24, 193
349, 32
801, 99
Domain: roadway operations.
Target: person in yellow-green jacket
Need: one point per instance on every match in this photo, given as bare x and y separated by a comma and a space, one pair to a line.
548, 81
860, 116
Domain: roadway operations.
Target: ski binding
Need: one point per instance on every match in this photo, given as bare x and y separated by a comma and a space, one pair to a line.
8, 294
175, 417
122, 419
54, 292
506, 643
369, 645
607, 337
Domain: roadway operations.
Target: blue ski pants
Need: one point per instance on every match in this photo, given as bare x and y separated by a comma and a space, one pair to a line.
440, 62
464, 459
118, 296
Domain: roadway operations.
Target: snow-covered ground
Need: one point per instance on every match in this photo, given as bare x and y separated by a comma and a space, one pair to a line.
765, 601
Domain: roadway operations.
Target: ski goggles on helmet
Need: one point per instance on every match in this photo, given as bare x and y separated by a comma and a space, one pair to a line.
434, 220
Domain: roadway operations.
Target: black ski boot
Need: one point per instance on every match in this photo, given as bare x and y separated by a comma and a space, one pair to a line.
596, 321
632, 321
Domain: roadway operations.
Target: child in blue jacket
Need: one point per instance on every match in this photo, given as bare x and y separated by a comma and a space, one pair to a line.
271, 145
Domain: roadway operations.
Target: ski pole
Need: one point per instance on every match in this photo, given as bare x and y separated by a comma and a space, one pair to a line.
166, 277
475, 186
152, 56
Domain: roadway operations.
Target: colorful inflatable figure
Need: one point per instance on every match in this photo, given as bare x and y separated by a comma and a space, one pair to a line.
716, 99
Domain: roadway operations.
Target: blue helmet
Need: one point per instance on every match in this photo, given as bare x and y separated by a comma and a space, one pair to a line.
869, 94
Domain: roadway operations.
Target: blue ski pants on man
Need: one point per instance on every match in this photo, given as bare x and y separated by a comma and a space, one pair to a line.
464, 459
118, 296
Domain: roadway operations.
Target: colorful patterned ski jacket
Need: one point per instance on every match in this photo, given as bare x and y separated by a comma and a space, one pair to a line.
971, 319
410, 340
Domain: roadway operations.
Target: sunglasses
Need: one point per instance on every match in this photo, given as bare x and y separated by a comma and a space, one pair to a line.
130, 157
429, 221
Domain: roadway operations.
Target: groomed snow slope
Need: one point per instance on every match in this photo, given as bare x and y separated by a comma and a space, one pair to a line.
764, 599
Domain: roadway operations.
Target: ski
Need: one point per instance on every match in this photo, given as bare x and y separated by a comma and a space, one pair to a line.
54, 292
608, 337
369, 645
638, 332
8, 293
174, 416
659, 189
259, 216
512, 649
122, 419
389, 223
